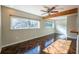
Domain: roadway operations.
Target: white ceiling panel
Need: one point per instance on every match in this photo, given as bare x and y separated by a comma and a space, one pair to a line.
36, 9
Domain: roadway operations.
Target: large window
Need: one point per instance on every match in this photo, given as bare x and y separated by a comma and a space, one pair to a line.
49, 24
34, 24
24, 23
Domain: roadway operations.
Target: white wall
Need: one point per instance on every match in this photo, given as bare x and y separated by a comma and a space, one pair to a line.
0, 28
71, 25
65, 24
61, 25
14, 36
78, 31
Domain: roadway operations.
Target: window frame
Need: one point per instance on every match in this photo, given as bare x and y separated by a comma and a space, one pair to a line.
49, 23
23, 19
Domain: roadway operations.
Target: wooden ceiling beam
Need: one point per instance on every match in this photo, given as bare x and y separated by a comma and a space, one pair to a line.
67, 12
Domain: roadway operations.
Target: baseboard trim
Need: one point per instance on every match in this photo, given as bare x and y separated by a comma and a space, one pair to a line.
72, 37
13, 43
22, 41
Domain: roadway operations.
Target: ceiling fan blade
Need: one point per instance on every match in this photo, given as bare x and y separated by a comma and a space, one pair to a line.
47, 7
54, 7
43, 10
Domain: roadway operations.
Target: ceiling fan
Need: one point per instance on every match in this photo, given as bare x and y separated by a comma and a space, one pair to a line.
49, 10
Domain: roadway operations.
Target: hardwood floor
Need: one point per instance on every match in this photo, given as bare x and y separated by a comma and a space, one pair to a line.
35, 46
72, 49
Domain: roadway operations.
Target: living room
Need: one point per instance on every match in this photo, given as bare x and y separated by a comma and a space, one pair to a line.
33, 29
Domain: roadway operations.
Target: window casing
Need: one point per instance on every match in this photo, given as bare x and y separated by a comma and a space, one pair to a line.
49, 24
24, 23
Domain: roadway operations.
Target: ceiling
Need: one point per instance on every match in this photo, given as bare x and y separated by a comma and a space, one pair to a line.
36, 9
